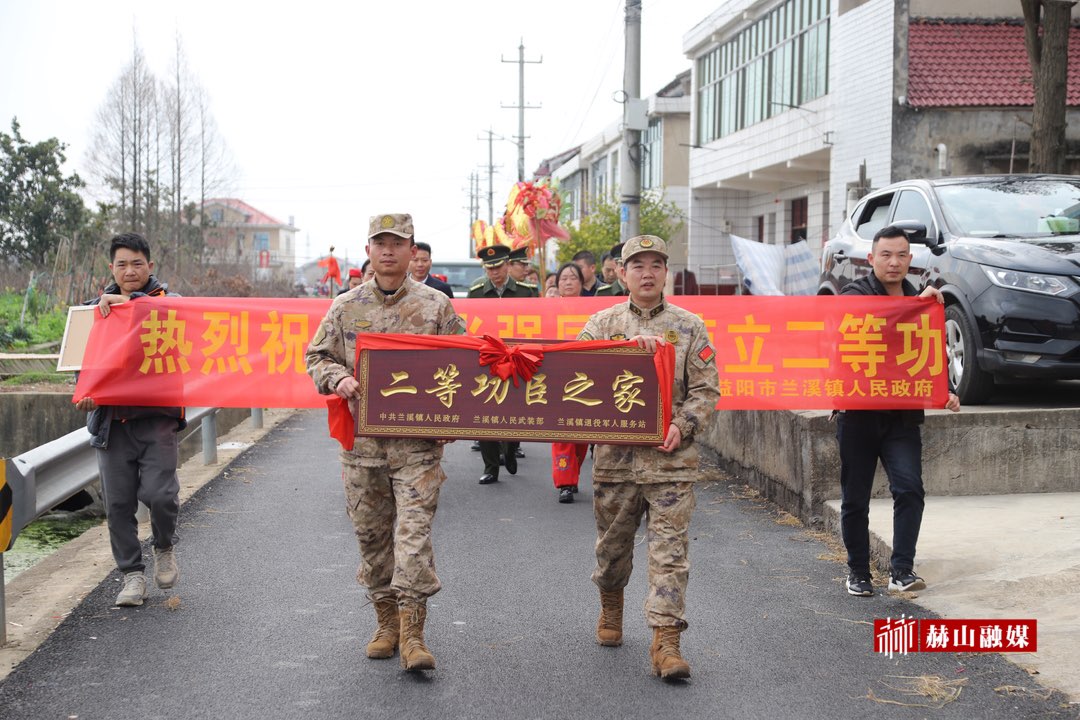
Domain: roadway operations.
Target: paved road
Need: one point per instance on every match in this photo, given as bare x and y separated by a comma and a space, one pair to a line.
270, 623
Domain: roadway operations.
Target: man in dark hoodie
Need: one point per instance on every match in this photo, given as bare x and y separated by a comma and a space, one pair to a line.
136, 446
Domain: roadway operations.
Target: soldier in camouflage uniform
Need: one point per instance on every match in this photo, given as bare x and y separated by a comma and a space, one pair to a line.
499, 283
657, 482
391, 484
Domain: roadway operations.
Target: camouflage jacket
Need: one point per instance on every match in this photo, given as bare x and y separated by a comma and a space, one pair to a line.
693, 396
415, 308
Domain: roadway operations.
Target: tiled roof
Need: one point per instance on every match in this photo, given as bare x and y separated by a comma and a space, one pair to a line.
252, 215
965, 64
551, 164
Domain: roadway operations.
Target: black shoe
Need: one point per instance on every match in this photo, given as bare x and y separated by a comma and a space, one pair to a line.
573, 489
511, 463
519, 453
905, 580
860, 585
488, 478
566, 495
475, 446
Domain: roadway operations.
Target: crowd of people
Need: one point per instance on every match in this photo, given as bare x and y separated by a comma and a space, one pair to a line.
391, 485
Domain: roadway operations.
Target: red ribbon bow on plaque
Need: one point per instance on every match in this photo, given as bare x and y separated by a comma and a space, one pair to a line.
511, 361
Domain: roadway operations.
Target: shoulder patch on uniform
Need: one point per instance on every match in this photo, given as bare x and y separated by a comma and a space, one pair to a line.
585, 336
527, 284
706, 353
477, 285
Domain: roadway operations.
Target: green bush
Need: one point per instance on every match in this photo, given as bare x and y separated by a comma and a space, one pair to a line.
42, 325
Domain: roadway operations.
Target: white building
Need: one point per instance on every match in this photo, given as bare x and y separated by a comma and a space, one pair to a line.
800, 106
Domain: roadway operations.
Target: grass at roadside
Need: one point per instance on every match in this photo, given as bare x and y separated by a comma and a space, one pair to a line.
37, 378
41, 324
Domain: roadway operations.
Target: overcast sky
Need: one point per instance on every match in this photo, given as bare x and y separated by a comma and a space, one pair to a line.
335, 111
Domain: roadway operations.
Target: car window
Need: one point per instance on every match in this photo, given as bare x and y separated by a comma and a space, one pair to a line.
911, 205
1011, 206
873, 217
460, 275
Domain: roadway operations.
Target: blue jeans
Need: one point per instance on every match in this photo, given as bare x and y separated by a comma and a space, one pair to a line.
865, 437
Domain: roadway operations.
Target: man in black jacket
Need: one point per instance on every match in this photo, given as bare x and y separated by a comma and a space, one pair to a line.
136, 446
893, 436
420, 269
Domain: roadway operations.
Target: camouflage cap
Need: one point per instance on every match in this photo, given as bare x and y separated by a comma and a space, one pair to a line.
399, 224
643, 243
493, 255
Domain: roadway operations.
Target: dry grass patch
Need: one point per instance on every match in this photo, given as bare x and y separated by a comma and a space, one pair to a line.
935, 689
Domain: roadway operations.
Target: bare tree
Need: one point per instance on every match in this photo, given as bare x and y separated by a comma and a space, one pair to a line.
154, 151
217, 171
183, 147
1048, 53
121, 157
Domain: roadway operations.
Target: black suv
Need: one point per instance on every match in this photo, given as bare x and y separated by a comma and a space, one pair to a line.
1005, 251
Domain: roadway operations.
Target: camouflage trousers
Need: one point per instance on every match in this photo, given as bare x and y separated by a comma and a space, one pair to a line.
667, 508
391, 509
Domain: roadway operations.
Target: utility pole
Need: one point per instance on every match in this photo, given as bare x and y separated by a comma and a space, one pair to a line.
474, 206
635, 119
491, 136
521, 106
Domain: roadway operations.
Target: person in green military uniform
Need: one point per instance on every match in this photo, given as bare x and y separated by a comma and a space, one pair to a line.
615, 287
519, 268
498, 284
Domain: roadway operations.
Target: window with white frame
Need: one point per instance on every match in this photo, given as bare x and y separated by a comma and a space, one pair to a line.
777, 63
598, 178
652, 158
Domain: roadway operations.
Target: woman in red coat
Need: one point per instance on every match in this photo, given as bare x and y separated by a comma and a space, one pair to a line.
566, 458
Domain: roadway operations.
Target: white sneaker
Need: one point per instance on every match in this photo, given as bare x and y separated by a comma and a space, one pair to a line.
166, 573
134, 591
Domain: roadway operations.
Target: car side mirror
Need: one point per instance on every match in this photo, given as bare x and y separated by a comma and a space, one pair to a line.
916, 233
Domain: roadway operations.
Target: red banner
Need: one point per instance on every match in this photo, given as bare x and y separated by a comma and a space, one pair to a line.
771, 352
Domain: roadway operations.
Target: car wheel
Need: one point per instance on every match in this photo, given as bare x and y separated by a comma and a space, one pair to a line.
972, 384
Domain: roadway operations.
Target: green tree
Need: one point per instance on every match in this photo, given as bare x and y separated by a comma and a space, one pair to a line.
39, 205
599, 230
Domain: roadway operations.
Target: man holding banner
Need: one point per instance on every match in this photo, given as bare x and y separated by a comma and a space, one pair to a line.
137, 447
657, 482
891, 435
391, 484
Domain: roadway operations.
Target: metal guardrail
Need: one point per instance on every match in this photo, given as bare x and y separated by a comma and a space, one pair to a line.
42, 478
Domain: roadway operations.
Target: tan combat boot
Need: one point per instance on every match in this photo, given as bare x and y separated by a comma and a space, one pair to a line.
609, 627
666, 660
414, 653
385, 640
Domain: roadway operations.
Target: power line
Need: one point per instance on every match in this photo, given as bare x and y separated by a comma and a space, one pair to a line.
599, 83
